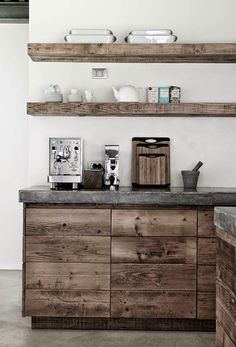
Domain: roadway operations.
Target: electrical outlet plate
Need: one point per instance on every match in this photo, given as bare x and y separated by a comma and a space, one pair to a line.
99, 73
95, 165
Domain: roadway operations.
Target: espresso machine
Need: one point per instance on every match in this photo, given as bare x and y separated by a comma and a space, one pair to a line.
65, 163
111, 174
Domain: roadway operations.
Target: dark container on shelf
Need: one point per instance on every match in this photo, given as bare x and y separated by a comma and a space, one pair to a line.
190, 179
93, 179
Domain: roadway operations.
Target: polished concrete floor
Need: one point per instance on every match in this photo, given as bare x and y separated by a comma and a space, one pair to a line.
15, 331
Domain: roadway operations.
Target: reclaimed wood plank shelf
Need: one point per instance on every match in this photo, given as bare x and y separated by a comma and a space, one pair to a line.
133, 53
125, 109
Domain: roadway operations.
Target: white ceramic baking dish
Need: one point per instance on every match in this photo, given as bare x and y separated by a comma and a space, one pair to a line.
152, 32
151, 39
91, 32
90, 38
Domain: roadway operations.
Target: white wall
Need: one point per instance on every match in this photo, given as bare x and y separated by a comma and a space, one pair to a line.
13, 139
211, 140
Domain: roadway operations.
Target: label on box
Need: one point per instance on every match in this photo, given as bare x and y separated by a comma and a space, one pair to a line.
175, 93
164, 95
152, 94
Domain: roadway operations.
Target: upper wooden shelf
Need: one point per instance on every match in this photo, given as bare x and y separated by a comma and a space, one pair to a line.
133, 53
126, 109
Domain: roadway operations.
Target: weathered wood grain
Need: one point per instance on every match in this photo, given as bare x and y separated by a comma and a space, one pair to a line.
225, 236
206, 227
226, 321
150, 165
228, 342
226, 254
222, 339
206, 305
134, 53
154, 250
206, 251
153, 277
150, 304
207, 278
77, 249
129, 109
59, 276
149, 324
227, 300
88, 303
226, 264
154, 222
219, 335
67, 222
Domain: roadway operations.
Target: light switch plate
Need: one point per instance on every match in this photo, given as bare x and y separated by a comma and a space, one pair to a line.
99, 73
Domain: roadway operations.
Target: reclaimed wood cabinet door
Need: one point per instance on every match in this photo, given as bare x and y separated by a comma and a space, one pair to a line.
226, 290
206, 295
153, 270
67, 262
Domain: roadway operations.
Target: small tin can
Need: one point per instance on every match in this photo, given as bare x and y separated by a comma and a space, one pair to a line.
164, 95
175, 94
152, 95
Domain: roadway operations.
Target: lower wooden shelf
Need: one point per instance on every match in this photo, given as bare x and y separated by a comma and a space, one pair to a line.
131, 109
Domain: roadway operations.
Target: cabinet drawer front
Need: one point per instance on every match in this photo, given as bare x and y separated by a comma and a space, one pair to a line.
154, 222
226, 322
227, 300
207, 251
56, 276
76, 249
206, 305
154, 250
207, 278
67, 303
153, 277
226, 264
206, 227
222, 339
138, 304
67, 222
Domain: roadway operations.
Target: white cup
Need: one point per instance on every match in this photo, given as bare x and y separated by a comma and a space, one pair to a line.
88, 95
75, 95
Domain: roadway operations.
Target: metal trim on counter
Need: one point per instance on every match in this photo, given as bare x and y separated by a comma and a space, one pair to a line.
128, 196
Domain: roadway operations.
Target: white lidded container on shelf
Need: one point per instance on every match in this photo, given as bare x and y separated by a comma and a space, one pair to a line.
90, 38
151, 39
91, 32
152, 32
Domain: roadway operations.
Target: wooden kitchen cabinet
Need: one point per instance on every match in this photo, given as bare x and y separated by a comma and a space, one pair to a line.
153, 304
154, 250
153, 273
153, 277
67, 222
67, 262
118, 263
162, 222
206, 294
226, 289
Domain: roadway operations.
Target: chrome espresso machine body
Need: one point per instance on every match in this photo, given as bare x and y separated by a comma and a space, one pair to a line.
65, 163
111, 174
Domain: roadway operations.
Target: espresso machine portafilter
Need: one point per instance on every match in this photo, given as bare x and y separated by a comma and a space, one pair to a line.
111, 174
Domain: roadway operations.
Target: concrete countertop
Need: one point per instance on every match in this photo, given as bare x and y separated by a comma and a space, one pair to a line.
225, 218
128, 196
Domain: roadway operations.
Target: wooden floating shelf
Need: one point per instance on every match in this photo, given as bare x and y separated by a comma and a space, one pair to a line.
133, 53
132, 109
